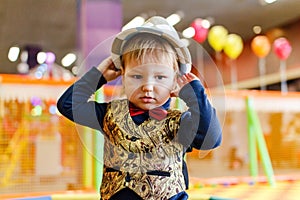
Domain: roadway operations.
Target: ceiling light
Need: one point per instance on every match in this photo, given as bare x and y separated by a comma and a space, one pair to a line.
173, 19
206, 23
188, 32
270, 1
13, 54
256, 29
137, 21
266, 2
68, 60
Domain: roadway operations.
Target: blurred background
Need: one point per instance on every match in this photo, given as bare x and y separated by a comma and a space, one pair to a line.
246, 53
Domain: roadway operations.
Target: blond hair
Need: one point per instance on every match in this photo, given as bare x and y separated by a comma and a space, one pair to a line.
149, 48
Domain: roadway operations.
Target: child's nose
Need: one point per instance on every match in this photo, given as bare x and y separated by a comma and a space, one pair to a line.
148, 87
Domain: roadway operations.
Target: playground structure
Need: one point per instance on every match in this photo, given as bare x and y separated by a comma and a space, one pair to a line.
29, 121
76, 162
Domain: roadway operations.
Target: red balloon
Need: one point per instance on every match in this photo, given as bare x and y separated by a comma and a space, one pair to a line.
282, 48
200, 31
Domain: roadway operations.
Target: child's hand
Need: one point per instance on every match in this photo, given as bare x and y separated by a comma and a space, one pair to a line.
108, 69
186, 78
183, 80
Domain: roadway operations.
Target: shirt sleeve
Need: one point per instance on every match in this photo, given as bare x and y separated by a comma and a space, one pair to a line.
199, 126
75, 103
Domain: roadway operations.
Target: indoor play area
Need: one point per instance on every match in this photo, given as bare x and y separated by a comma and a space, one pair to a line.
44, 156
253, 83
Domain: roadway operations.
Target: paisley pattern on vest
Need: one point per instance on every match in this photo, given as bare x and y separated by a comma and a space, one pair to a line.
146, 157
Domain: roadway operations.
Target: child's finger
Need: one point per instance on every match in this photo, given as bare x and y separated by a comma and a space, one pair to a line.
191, 76
181, 80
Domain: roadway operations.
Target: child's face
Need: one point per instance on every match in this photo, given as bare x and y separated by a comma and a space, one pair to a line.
148, 85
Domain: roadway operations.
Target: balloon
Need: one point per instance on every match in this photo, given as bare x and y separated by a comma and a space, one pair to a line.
282, 48
274, 33
233, 46
200, 31
217, 37
261, 46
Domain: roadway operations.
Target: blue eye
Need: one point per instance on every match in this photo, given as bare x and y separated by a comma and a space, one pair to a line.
160, 77
137, 76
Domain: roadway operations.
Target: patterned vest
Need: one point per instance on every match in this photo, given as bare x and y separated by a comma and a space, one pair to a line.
145, 158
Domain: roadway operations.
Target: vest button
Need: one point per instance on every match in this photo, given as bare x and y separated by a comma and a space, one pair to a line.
127, 178
133, 139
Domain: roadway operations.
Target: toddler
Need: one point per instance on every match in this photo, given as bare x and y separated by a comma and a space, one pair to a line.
145, 138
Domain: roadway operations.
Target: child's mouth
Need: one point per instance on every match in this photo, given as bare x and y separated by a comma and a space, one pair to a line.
147, 99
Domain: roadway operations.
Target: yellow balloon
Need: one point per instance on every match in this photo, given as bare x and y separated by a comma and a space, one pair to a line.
233, 46
217, 37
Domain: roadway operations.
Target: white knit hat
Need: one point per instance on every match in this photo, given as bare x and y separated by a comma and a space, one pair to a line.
158, 26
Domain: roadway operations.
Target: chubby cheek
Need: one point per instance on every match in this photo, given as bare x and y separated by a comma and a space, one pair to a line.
130, 89
131, 94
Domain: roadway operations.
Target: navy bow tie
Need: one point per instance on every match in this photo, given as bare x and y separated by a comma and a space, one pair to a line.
158, 113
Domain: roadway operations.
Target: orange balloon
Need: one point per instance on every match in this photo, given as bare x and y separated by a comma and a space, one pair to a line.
261, 46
